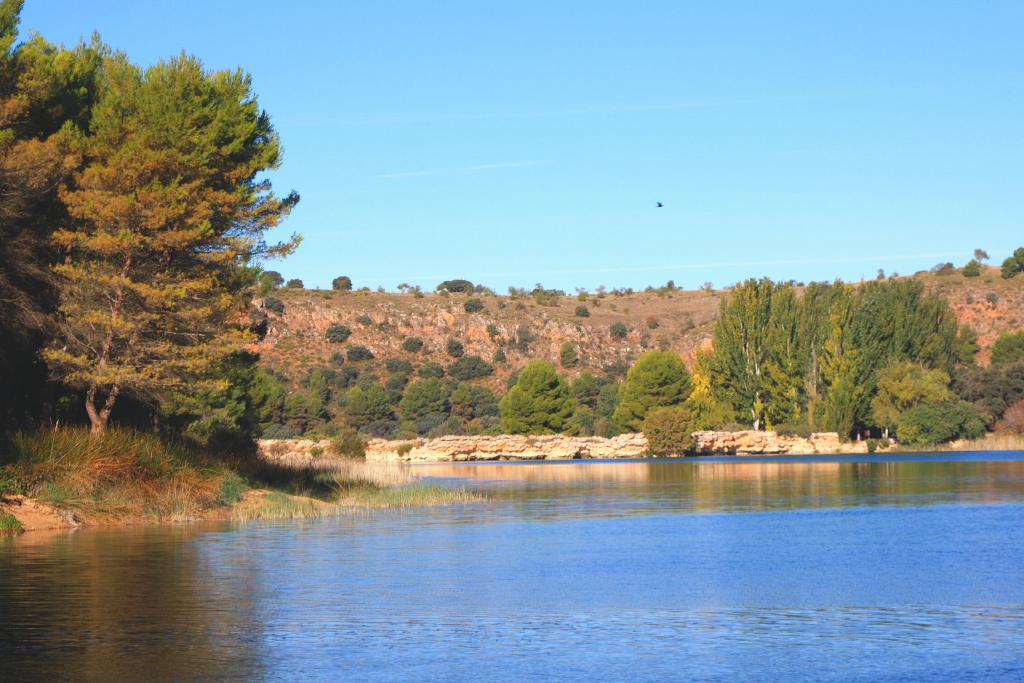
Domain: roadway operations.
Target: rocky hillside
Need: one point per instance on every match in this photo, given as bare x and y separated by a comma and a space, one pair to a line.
525, 328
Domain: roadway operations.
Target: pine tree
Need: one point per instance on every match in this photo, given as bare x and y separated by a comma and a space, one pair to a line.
538, 403
166, 216
657, 379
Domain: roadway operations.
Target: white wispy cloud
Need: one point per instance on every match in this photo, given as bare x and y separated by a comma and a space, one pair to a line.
460, 169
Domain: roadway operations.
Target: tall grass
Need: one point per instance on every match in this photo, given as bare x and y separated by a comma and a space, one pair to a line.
123, 473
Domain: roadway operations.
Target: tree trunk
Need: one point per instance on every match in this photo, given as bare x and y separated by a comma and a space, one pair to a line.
99, 418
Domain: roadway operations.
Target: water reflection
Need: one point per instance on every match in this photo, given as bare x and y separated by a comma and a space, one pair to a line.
574, 571
576, 488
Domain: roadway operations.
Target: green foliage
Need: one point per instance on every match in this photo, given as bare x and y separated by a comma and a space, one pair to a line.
455, 348
1009, 348
780, 359
338, 334
359, 353
274, 304
271, 279
473, 305
619, 330
991, 389
471, 401
232, 488
547, 297
365, 406
657, 379
342, 283
669, 430
398, 366
364, 319
967, 346
972, 269
800, 429
422, 399
905, 385
470, 367
492, 330
456, 287
412, 344
500, 357
568, 356
294, 283
431, 369
582, 312
539, 403
933, 423
9, 524
1013, 264
349, 444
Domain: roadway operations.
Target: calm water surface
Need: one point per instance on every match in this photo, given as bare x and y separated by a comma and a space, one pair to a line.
714, 569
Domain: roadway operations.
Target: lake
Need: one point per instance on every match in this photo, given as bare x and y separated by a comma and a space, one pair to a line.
726, 569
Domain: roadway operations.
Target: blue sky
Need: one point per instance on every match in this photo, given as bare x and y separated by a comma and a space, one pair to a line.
524, 142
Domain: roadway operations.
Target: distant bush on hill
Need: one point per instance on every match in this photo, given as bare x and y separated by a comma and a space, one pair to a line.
412, 344
456, 287
274, 304
359, 353
342, 283
338, 334
473, 305
294, 283
455, 348
470, 367
582, 312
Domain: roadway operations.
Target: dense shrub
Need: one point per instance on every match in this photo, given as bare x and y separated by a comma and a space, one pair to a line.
364, 319
619, 330
500, 357
582, 312
492, 330
800, 429
271, 279
456, 286
669, 430
539, 403
431, 369
398, 366
1013, 264
342, 283
568, 356
412, 344
455, 348
933, 423
279, 431
349, 444
972, 269
359, 353
471, 401
338, 334
473, 305
1009, 348
338, 358
657, 379
294, 283
470, 367
232, 488
1013, 419
274, 304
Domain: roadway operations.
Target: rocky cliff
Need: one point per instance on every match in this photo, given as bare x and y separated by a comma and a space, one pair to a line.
316, 454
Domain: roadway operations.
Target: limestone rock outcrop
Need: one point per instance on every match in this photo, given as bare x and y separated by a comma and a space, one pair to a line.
317, 454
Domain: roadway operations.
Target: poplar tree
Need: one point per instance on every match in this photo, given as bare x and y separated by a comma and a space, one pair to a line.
167, 217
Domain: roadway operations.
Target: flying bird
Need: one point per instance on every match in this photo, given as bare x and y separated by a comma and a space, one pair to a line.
659, 205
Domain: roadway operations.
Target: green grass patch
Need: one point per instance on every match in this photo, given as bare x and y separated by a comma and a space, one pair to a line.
9, 524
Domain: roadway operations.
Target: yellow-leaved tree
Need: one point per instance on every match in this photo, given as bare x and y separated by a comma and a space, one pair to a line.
167, 219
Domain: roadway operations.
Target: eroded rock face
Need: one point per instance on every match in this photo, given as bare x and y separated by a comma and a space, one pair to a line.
771, 443
300, 453
507, 447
